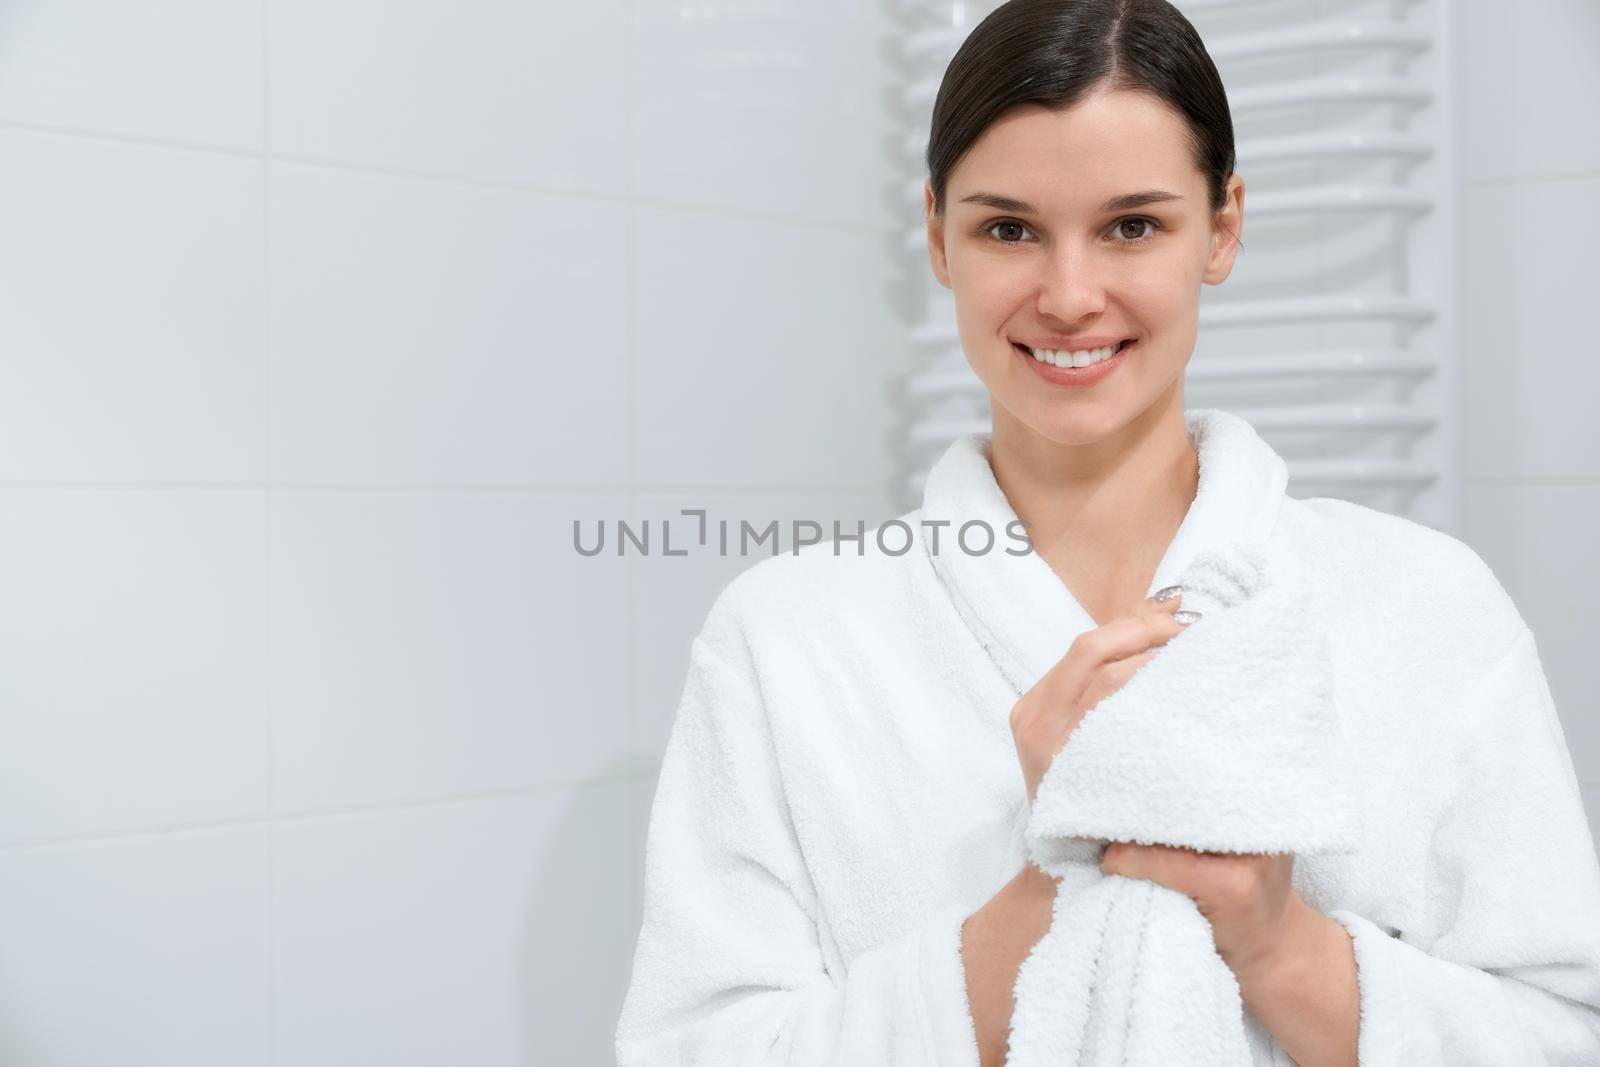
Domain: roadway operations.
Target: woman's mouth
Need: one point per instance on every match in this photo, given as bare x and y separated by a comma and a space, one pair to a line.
1061, 368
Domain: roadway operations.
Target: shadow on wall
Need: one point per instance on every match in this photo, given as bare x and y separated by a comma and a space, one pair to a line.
582, 921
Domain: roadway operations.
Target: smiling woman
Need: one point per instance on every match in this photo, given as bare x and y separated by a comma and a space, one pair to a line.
1334, 822
1116, 196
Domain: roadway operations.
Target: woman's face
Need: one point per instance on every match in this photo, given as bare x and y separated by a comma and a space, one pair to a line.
1062, 265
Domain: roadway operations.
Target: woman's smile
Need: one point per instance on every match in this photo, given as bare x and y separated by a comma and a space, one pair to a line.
1054, 367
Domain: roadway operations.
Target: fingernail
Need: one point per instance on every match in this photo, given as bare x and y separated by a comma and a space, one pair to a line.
1161, 596
1185, 617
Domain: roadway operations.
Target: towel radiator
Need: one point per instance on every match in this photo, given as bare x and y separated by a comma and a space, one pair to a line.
1334, 334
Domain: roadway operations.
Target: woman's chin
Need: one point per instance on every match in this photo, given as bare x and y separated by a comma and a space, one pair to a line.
1075, 421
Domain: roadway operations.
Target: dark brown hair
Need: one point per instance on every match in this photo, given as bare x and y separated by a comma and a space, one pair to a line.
1055, 52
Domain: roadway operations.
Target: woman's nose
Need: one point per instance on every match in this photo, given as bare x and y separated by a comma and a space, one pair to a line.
1071, 286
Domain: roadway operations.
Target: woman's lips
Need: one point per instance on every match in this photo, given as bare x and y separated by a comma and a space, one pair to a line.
1075, 376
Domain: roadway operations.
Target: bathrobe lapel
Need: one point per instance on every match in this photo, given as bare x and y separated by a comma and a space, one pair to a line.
1017, 608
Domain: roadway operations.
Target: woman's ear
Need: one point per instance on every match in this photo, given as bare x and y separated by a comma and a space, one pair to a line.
935, 224
1227, 227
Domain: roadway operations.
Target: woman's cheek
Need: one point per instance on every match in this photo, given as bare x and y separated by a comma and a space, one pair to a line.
992, 290
983, 310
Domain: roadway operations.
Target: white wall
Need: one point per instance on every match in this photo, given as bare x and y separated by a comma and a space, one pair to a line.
1529, 177
319, 325
321, 322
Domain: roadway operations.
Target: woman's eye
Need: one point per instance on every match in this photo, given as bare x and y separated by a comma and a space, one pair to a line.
1149, 232
1129, 231
1008, 226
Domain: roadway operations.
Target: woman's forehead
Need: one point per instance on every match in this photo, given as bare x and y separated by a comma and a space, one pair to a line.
1076, 159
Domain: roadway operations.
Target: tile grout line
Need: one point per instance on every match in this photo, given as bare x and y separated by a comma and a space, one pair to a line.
631, 573
434, 488
461, 180
269, 635
630, 384
631, 570
274, 819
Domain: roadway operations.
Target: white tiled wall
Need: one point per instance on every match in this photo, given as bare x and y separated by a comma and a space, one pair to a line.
1531, 380
320, 323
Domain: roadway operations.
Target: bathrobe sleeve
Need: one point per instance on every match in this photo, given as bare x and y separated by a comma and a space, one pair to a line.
1504, 966
728, 967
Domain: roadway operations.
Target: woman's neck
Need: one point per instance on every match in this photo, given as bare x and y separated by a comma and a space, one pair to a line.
1101, 514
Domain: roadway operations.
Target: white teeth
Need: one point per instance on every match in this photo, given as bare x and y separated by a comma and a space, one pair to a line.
1073, 359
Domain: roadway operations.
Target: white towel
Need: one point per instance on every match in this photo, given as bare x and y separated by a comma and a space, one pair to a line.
1225, 741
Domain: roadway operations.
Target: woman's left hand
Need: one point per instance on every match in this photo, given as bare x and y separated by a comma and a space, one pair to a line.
1253, 909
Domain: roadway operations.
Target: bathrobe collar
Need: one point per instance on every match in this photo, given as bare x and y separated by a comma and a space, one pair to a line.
1020, 611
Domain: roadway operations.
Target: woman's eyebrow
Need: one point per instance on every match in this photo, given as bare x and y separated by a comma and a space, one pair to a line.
1125, 202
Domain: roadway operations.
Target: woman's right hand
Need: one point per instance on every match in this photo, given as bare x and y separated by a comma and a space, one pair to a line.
1098, 663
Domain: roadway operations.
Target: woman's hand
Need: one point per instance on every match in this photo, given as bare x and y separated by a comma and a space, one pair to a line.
1254, 911
1097, 665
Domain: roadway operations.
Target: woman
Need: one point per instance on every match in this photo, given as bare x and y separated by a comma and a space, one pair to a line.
834, 874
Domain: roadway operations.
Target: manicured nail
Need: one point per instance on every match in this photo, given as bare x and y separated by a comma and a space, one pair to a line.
1161, 596
1185, 617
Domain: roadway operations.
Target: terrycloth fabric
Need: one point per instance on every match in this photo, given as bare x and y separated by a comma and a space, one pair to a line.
1226, 741
841, 789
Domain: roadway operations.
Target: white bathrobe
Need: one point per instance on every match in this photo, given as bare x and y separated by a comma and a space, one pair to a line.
841, 789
